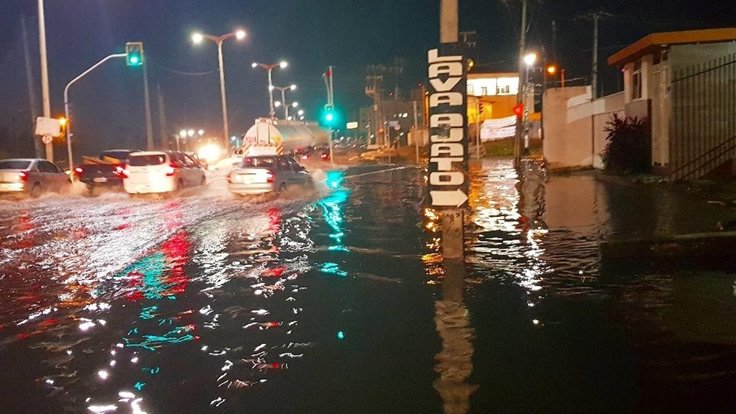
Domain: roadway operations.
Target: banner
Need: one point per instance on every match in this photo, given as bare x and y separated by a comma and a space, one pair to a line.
492, 129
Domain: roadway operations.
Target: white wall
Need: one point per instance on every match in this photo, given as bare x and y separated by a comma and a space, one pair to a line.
574, 135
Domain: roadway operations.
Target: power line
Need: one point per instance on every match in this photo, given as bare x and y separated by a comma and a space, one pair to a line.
181, 72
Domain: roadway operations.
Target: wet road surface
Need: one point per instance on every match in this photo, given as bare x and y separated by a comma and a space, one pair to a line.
338, 301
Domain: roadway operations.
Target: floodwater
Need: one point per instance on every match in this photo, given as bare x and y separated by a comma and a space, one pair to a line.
339, 301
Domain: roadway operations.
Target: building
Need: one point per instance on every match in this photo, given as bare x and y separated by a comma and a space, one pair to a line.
683, 83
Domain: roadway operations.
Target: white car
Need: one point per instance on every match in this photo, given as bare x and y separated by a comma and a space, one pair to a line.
32, 176
161, 172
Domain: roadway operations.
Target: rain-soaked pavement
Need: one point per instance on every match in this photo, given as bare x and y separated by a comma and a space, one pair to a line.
338, 301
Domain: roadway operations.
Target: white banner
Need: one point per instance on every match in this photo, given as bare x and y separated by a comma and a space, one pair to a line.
498, 128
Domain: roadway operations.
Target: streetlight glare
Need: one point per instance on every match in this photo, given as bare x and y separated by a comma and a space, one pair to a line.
62, 121
283, 64
254, 65
197, 38
270, 87
292, 87
295, 104
240, 34
277, 104
530, 58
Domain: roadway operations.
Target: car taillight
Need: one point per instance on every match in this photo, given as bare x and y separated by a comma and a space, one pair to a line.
121, 172
23, 176
269, 176
170, 170
79, 171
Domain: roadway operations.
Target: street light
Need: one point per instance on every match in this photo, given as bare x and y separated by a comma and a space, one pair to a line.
269, 68
529, 59
283, 90
198, 38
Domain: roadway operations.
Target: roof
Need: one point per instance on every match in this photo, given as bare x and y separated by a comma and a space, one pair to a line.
487, 75
655, 41
23, 159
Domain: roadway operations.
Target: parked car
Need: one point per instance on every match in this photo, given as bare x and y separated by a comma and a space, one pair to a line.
103, 171
267, 174
32, 176
152, 172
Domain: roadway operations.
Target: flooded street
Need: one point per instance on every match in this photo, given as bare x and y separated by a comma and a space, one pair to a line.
339, 301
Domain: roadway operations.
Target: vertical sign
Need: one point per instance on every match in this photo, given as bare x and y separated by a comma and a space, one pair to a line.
448, 154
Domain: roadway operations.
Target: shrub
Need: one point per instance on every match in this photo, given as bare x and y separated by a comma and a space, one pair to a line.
627, 145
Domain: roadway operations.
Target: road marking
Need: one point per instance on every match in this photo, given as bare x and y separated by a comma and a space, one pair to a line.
379, 172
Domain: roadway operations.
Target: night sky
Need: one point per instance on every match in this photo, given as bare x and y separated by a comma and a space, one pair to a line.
309, 34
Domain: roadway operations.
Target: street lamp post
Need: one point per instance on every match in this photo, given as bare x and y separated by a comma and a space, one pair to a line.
283, 90
68, 128
269, 68
219, 40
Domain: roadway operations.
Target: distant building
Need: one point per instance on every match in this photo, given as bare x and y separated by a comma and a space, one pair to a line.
491, 101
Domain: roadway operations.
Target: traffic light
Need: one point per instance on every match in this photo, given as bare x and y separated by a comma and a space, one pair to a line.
329, 116
134, 53
519, 110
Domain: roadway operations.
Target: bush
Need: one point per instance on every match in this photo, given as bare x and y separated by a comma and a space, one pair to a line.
628, 145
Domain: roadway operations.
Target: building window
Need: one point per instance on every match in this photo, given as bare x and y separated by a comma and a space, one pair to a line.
636, 81
484, 91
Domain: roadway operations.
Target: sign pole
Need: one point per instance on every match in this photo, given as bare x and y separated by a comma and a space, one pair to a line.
448, 154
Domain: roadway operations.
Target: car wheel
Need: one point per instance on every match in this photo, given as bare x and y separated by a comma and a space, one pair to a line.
91, 190
179, 185
36, 190
203, 181
282, 188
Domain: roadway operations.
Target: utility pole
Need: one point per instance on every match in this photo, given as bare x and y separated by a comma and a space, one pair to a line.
594, 75
522, 85
162, 120
374, 89
416, 131
554, 41
44, 73
452, 220
595, 17
37, 145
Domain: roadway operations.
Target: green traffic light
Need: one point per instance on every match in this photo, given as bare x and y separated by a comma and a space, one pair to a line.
135, 60
330, 117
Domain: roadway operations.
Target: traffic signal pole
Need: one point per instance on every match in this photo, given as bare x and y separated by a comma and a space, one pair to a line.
67, 110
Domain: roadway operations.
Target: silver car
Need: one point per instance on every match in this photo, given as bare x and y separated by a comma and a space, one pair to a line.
267, 174
32, 176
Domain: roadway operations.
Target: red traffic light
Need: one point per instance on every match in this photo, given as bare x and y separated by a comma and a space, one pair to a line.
519, 110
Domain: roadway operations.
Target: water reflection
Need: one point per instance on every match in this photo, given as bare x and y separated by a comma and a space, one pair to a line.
454, 363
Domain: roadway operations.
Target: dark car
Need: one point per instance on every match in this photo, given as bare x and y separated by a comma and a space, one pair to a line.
105, 171
32, 176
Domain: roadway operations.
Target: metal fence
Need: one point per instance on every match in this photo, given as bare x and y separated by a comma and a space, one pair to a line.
703, 118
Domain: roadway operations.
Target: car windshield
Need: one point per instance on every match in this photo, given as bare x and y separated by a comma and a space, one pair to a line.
259, 162
14, 165
148, 159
